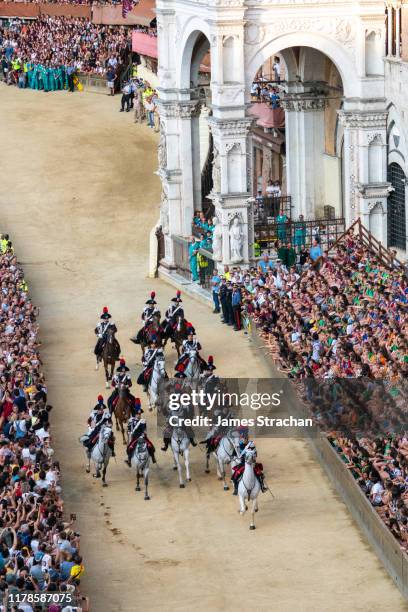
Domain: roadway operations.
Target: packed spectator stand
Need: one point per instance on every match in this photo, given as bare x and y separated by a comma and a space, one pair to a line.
39, 548
336, 324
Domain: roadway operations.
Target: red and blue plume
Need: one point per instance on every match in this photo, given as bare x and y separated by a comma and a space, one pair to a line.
137, 401
211, 359
105, 309
153, 295
100, 398
178, 293
122, 361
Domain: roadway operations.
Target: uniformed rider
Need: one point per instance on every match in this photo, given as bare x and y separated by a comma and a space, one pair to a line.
190, 344
121, 377
149, 311
98, 417
101, 330
247, 445
148, 359
137, 427
174, 310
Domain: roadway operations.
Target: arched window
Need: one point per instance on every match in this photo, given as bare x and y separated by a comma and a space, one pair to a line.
396, 208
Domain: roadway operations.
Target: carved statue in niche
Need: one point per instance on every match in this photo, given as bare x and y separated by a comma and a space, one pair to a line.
164, 212
162, 148
236, 240
216, 171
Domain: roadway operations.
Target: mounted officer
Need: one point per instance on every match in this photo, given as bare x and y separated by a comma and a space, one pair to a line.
136, 428
149, 356
101, 330
149, 311
247, 445
182, 412
174, 310
121, 378
189, 345
99, 411
99, 417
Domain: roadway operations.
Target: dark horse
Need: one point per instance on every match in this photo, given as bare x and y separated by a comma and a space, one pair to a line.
151, 331
179, 332
110, 355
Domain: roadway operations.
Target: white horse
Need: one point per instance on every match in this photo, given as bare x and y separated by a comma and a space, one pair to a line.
141, 462
193, 369
158, 374
101, 454
249, 487
226, 453
180, 444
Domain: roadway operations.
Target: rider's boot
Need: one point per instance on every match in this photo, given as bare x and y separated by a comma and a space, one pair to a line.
153, 457
193, 442
97, 364
127, 461
166, 442
261, 479
235, 492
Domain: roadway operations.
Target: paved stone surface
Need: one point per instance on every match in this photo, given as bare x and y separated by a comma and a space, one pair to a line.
79, 197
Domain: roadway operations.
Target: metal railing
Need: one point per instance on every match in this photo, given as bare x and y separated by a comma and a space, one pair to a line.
267, 208
181, 257
203, 262
300, 233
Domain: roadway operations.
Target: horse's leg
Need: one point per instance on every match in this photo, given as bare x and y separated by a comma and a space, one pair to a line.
178, 467
98, 470
219, 470
104, 483
243, 507
122, 429
146, 482
224, 472
187, 463
252, 524
105, 365
207, 463
137, 478
116, 418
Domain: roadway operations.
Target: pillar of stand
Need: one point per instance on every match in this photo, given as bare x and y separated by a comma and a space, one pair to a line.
365, 165
304, 145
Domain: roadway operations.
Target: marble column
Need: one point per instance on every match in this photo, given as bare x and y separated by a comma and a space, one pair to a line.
304, 152
231, 187
365, 167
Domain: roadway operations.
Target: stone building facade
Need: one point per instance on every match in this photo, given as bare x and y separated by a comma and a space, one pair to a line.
337, 110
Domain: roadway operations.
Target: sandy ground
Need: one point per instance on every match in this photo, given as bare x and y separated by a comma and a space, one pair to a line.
78, 195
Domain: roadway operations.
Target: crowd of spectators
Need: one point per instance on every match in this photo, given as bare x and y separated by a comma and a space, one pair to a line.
49, 45
96, 2
335, 319
39, 549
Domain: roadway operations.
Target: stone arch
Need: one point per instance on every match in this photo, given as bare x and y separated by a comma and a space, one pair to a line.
194, 44
340, 57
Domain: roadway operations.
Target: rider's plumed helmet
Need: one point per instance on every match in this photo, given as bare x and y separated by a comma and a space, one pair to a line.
105, 314
122, 366
151, 300
177, 299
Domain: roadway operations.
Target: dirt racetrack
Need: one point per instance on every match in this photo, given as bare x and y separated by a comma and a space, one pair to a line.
78, 196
